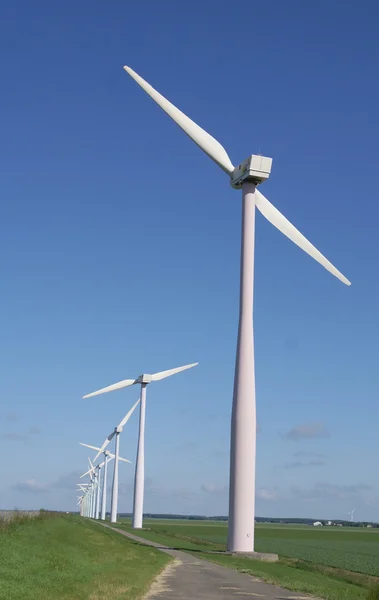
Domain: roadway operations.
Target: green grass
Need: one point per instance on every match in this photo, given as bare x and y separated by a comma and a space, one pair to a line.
68, 558
351, 549
328, 563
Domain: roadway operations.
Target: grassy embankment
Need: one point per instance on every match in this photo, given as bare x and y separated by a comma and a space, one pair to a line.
68, 558
333, 564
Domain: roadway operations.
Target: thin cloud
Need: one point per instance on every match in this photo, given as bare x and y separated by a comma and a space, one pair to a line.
31, 485
34, 431
266, 494
185, 448
305, 454
66, 482
12, 417
184, 494
325, 491
213, 488
219, 453
13, 437
307, 431
299, 464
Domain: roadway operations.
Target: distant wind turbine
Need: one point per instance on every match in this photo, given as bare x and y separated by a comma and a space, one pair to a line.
115, 433
139, 480
91, 488
108, 457
351, 515
246, 176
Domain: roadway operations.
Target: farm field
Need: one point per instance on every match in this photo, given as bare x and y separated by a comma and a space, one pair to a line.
328, 563
352, 549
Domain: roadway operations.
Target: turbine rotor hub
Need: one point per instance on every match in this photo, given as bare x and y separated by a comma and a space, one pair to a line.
144, 379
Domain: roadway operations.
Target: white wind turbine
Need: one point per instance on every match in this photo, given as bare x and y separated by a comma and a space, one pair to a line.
80, 504
97, 481
116, 432
108, 456
83, 487
246, 176
139, 480
351, 515
87, 501
92, 488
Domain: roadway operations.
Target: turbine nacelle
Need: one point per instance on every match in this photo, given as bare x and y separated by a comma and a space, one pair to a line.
256, 169
144, 379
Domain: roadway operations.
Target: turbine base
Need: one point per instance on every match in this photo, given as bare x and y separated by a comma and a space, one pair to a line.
262, 556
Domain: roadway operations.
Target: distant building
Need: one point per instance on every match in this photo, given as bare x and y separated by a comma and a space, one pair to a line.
317, 524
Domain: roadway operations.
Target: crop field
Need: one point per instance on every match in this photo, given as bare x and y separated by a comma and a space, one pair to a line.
351, 549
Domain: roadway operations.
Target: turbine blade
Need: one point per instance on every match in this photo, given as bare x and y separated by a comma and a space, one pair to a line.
111, 388
105, 444
111, 456
206, 142
88, 446
280, 222
98, 454
86, 473
128, 415
163, 374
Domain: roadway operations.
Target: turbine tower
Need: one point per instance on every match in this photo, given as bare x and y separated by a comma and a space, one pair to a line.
139, 480
246, 176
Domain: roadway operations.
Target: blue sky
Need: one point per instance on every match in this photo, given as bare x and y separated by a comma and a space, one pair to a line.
120, 241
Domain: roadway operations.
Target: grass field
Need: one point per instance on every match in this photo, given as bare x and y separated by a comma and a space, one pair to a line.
68, 558
352, 549
332, 563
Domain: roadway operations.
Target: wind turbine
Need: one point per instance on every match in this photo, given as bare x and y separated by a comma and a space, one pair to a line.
91, 488
116, 432
351, 514
246, 176
82, 501
80, 504
97, 480
82, 488
108, 457
139, 479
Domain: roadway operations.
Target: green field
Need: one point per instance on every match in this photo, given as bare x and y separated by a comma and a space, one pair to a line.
352, 549
68, 558
330, 563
